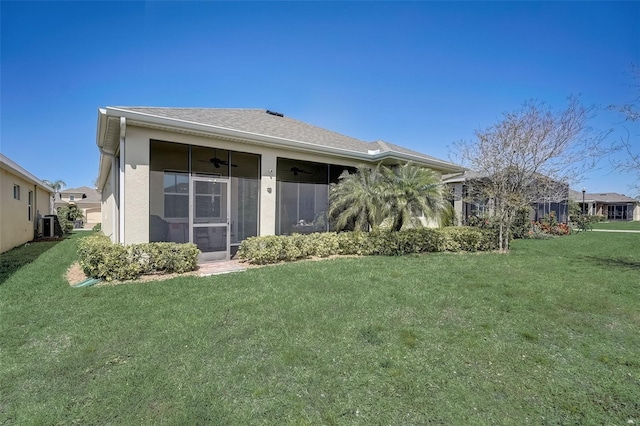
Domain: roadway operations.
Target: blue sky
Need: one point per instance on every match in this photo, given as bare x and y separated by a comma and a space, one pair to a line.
417, 74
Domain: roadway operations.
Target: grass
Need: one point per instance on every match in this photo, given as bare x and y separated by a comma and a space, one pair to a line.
634, 226
549, 334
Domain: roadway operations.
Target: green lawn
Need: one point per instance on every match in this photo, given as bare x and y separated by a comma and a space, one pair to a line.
549, 334
635, 226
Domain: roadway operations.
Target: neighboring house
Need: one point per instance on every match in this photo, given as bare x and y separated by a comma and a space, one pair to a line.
609, 204
551, 197
88, 200
215, 177
23, 200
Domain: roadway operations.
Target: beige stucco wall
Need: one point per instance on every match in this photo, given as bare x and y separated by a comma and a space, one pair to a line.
108, 207
15, 226
43, 202
458, 202
136, 186
137, 179
92, 216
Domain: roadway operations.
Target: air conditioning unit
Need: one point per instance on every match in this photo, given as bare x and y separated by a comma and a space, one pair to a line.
48, 227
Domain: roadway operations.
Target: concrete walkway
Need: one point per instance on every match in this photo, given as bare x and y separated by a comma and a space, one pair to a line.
630, 231
220, 267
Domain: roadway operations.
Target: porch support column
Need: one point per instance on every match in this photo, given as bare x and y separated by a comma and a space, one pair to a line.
458, 203
268, 190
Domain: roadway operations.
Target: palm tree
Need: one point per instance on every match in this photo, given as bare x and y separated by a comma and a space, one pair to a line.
57, 185
411, 191
356, 199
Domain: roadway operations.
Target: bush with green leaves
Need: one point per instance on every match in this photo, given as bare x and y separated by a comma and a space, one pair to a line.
519, 228
280, 248
469, 239
100, 258
97, 228
67, 215
584, 222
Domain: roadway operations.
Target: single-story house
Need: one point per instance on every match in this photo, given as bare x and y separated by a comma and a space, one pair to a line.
88, 200
550, 197
23, 200
217, 176
611, 205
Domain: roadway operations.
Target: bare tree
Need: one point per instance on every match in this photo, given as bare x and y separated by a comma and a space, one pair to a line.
628, 145
524, 157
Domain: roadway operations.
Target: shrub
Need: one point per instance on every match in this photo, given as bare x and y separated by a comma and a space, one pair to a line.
350, 243
100, 258
273, 249
468, 239
323, 244
584, 222
519, 227
537, 233
97, 228
261, 250
521, 224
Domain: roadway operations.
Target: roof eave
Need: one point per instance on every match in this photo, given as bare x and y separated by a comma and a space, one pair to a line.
10, 165
172, 123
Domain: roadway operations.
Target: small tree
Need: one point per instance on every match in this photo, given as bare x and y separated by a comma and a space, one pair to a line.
519, 158
67, 215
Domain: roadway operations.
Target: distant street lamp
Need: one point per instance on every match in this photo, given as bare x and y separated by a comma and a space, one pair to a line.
583, 191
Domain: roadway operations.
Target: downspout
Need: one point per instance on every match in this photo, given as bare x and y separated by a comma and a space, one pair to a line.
34, 210
123, 131
113, 186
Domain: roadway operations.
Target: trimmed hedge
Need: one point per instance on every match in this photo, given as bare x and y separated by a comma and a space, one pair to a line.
100, 258
279, 248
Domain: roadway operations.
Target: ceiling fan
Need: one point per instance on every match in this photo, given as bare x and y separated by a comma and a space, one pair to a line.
218, 162
296, 171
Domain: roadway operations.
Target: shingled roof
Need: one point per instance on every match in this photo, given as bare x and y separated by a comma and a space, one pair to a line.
264, 123
604, 197
92, 195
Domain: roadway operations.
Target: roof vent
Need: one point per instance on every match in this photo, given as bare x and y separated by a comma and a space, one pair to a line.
277, 114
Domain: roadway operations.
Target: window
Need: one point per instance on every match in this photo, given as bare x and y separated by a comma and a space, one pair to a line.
30, 205
72, 197
176, 195
16, 192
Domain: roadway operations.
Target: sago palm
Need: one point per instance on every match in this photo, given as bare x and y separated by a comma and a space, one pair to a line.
411, 191
356, 199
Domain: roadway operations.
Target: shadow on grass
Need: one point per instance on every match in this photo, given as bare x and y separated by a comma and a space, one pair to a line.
14, 259
614, 262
